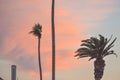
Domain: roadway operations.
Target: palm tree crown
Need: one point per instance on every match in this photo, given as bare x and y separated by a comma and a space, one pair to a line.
37, 29
96, 47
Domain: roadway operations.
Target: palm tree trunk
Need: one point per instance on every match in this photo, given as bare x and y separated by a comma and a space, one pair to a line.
39, 59
53, 40
99, 65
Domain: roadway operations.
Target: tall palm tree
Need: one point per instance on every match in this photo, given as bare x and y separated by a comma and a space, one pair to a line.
96, 48
36, 31
53, 40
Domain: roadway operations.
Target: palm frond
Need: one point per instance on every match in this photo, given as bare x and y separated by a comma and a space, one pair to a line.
95, 41
82, 49
81, 55
102, 40
31, 32
109, 46
82, 52
109, 53
92, 58
88, 43
106, 41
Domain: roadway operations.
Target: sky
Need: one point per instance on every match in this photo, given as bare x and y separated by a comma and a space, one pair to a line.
75, 20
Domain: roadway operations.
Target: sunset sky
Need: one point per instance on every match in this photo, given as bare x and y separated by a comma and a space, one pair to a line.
75, 20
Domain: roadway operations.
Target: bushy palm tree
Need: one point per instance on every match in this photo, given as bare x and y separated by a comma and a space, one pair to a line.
36, 31
53, 39
96, 48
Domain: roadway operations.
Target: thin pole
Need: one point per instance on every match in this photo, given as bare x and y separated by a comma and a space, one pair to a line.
53, 41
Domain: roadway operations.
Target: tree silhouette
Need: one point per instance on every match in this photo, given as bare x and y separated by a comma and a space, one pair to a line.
96, 48
36, 31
